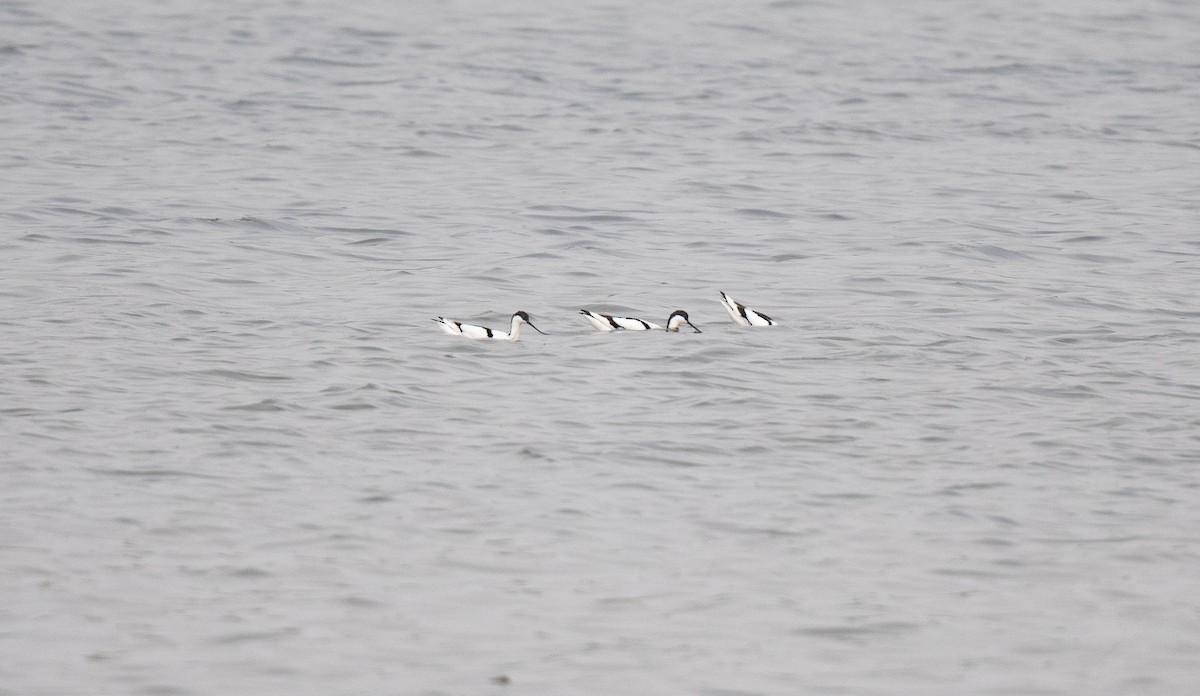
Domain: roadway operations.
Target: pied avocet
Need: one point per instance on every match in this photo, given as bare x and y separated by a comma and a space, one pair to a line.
743, 315
457, 328
607, 322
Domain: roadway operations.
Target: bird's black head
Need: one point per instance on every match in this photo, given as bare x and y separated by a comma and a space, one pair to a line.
673, 324
525, 318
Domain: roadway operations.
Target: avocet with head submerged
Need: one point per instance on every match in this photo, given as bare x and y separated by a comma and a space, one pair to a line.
457, 328
607, 322
743, 315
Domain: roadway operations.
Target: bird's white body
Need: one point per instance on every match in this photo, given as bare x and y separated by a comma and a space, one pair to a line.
743, 315
608, 322
457, 328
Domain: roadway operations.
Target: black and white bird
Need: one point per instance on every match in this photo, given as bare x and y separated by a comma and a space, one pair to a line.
743, 315
457, 328
608, 322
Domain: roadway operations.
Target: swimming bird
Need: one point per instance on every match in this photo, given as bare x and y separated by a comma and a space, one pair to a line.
457, 328
743, 315
607, 322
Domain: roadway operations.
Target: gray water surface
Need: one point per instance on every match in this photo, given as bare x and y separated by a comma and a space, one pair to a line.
236, 457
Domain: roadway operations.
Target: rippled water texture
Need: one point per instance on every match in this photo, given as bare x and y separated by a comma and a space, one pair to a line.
236, 457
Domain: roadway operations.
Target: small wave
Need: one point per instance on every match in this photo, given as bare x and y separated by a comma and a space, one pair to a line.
265, 405
1099, 258
857, 633
150, 472
243, 376
327, 62
594, 217
985, 250
763, 213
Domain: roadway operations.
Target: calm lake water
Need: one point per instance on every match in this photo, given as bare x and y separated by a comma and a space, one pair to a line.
236, 457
